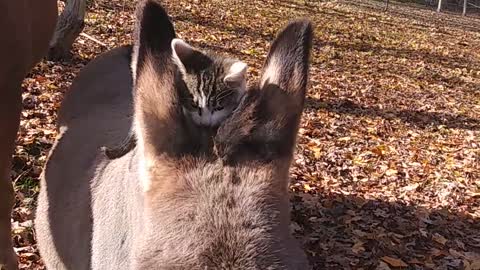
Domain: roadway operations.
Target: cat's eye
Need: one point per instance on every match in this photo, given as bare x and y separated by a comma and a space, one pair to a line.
193, 104
219, 108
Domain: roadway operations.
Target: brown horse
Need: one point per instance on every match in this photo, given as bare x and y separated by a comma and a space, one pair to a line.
26, 27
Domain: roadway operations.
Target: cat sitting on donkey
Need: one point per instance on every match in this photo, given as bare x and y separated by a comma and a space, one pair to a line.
185, 196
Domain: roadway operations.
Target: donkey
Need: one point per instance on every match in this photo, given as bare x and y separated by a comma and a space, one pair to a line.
26, 27
184, 197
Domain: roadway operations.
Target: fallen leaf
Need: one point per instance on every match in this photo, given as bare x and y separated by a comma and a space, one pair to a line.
358, 247
382, 266
475, 265
439, 238
394, 261
414, 261
391, 172
411, 187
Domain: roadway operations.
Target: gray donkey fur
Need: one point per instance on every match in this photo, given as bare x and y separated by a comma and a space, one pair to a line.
184, 197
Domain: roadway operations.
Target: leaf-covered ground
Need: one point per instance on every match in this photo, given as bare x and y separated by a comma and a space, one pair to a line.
387, 171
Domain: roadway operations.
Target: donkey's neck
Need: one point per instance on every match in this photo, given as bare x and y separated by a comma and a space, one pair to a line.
118, 210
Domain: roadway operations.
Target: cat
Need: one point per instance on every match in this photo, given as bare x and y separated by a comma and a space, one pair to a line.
212, 88
212, 85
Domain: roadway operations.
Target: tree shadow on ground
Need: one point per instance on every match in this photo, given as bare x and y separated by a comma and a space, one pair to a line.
303, 6
351, 232
363, 46
214, 24
448, 17
217, 49
419, 119
424, 55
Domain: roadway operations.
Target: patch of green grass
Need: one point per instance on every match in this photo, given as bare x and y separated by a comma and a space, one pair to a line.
27, 185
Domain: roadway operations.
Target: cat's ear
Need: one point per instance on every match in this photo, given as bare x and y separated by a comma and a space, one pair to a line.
181, 52
236, 74
264, 126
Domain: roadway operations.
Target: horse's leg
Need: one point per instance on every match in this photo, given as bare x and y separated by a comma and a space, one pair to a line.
26, 28
10, 107
15, 55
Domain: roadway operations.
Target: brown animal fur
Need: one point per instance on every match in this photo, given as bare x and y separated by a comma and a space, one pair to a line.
184, 197
26, 27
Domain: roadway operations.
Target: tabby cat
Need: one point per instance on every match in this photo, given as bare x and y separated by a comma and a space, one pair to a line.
212, 84
212, 87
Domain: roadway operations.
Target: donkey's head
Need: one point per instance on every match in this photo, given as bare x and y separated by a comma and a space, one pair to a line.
224, 206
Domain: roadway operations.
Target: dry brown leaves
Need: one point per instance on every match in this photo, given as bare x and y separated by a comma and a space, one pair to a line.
387, 172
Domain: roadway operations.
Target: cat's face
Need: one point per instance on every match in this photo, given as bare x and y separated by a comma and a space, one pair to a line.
213, 84
211, 98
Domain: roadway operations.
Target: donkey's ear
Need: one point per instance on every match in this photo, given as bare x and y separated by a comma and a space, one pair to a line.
156, 111
153, 35
287, 62
264, 126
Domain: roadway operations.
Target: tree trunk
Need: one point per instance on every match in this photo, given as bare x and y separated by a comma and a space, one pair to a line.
465, 7
386, 5
69, 26
439, 8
